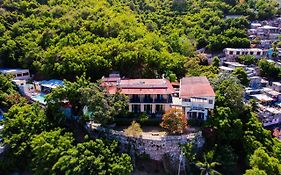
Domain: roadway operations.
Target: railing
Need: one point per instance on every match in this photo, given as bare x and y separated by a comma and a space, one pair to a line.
150, 100
135, 100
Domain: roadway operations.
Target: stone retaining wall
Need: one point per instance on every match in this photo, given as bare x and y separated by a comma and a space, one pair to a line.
154, 146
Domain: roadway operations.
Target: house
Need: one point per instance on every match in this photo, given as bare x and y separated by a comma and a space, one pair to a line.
36, 91
234, 65
197, 97
194, 95
19, 74
276, 86
267, 29
270, 116
255, 25
232, 53
152, 96
255, 82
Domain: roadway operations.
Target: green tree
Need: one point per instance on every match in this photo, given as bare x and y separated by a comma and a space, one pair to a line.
21, 124
247, 59
255, 171
261, 160
93, 157
241, 74
269, 70
216, 62
207, 166
47, 148
8, 94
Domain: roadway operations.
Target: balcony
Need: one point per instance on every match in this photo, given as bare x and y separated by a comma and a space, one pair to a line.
135, 100
158, 100
147, 100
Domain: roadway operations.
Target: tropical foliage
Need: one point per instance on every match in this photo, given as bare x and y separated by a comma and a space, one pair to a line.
174, 121
64, 39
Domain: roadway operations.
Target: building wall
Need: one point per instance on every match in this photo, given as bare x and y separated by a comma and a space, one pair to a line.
206, 105
233, 53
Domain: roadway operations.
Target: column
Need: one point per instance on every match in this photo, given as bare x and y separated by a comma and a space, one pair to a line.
142, 107
153, 108
130, 108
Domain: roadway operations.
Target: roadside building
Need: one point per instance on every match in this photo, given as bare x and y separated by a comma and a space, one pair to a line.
18, 74
232, 53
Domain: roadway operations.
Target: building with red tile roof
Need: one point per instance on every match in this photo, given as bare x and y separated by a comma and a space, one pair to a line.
153, 96
194, 95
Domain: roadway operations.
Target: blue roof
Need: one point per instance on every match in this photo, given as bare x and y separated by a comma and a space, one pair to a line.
51, 83
1, 115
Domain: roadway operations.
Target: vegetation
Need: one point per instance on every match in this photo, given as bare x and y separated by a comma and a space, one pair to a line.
102, 107
67, 38
8, 94
21, 124
234, 124
134, 130
241, 74
207, 167
269, 70
174, 121
30, 135
247, 59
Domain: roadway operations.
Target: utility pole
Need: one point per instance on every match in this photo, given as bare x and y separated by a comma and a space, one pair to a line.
180, 159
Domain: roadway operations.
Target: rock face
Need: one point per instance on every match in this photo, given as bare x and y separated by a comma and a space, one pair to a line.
155, 147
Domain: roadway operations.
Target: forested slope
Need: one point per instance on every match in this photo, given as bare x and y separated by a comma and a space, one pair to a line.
140, 38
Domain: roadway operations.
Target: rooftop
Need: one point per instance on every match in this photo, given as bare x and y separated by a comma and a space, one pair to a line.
146, 86
236, 64
262, 97
268, 27
226, 68
51, 83
243, 49
8, 70
196, 87
276, 83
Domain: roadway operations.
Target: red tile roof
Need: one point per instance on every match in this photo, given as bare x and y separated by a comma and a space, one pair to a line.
141, 86
195, 87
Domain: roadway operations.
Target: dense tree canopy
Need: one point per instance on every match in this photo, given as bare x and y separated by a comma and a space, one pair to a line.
94, 157
235, 125
269, 69
47, 148
67, 38
8, 94
21, 124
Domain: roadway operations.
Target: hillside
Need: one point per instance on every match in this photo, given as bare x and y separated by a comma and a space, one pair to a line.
61, 39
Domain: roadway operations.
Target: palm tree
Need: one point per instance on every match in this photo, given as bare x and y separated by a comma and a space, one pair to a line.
207, 167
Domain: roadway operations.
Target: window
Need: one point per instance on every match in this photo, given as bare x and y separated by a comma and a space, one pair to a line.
136, 108
159, 108
211, 101
18, 75
148, 109
25, 74
186, 100
251, 53
238, 53
258, 53
230, 52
